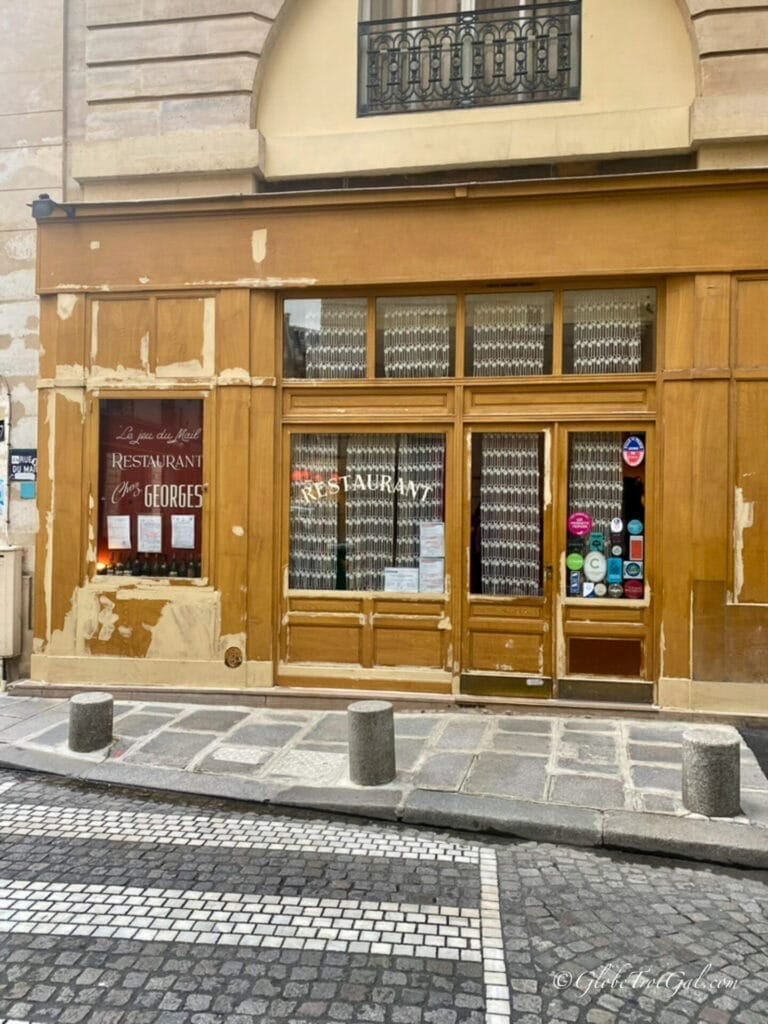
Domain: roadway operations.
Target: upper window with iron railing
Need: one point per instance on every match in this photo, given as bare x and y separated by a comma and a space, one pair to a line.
417, 55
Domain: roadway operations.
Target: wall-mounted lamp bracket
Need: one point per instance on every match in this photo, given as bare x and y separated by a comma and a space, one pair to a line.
43, 207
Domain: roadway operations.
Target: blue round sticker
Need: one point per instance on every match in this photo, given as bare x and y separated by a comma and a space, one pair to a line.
635, 527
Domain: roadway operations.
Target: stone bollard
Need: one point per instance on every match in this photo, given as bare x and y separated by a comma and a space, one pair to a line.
371, 725
90, 721
712, 772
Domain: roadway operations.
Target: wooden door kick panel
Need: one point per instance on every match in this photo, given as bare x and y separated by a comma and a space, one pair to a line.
493, 685
612, 691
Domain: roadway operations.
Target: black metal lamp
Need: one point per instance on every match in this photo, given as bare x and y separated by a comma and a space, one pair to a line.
43, 207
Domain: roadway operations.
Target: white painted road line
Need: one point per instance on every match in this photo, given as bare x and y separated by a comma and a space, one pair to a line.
237, 919
228, 832
497, 1001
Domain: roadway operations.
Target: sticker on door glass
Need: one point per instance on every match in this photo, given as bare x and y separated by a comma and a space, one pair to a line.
633, 451
580, 524
575, 560
595, 566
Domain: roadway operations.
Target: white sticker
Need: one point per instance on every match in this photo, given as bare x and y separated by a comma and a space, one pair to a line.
595, 566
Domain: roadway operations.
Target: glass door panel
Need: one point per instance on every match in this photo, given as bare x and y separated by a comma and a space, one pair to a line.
605, 543
507, 483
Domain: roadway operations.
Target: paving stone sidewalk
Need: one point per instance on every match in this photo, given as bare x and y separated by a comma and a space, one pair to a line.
591, 781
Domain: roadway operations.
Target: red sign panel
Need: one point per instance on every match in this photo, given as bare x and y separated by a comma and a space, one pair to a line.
151, 483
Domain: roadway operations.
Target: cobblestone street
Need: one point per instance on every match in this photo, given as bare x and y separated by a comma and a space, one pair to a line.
120, 908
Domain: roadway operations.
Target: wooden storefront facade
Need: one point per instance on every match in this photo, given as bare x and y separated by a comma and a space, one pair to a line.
251, 571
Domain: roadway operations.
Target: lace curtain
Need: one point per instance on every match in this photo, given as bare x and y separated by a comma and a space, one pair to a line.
509, 336
596, 478
608, 335
510, 514
313, 536
417, 337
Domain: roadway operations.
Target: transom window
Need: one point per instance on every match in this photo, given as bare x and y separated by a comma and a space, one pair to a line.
444, 54
600, 331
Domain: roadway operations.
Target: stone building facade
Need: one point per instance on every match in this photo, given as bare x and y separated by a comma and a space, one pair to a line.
160, 100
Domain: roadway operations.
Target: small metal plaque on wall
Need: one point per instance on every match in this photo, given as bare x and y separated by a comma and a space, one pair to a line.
23, 464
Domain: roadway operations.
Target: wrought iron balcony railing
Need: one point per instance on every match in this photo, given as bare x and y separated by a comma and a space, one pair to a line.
522, 54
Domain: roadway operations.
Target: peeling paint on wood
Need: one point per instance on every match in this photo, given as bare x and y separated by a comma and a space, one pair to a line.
259, 245
743, 519
65, 305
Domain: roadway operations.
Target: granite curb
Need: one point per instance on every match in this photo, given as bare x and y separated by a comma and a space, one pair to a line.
717, 841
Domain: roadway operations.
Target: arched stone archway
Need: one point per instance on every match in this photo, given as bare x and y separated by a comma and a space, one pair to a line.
718, 32
696, 15
729, 52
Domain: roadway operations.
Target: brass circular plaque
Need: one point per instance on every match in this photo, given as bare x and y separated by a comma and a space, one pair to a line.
233, 657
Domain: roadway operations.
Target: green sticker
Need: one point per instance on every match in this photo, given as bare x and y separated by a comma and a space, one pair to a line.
574, 561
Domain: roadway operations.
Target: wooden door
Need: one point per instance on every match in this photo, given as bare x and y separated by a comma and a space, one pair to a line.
605, 542
508, 572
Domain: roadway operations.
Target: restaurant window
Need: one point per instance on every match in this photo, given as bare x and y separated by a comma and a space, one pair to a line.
609, 330
509, 335
606, 539
150, 487
506, 516
416, 336
325, 338
367, 512
599, 332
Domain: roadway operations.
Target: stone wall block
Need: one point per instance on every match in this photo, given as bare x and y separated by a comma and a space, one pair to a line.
742, 73
122, 120
267, 9
117, 12
30, 167
723, 33
219, 74
201, 112
17, 249
23, 92
171, 39
30, 36
17, 285
697, 7
41, 128
113, 83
